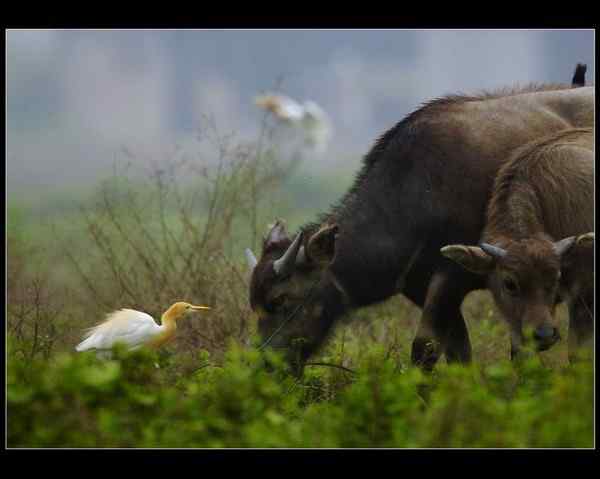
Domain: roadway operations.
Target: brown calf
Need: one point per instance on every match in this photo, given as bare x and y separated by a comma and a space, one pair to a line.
537, 246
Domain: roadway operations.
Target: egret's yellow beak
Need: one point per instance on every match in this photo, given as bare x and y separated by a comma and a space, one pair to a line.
200, 308
261, 100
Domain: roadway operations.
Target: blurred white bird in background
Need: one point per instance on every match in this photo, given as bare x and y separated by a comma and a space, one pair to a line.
135, 329
309, 117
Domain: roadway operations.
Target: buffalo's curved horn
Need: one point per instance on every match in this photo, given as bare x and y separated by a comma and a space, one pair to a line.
301, 258
492, 250
252, 262
285, 265
564, 245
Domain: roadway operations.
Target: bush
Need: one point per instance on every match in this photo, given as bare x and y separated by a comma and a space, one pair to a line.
76, 400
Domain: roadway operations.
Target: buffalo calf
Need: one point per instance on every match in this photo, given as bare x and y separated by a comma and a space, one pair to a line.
537, 246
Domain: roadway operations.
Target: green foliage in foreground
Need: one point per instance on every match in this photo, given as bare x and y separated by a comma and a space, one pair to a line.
76, 400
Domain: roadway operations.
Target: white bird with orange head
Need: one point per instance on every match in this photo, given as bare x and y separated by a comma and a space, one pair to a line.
309, 116
136, 329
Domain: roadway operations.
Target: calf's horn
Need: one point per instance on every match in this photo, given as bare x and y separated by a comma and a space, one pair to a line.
252, 262
583, 240
562, 246
492, 250
285, 265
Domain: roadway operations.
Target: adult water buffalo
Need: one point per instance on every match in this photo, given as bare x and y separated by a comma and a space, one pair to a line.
424, 184
538, 244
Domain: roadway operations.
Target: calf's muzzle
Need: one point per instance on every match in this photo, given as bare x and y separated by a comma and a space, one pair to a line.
546, 336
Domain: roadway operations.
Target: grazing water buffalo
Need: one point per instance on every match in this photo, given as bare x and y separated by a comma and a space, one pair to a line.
424, 184
537, 245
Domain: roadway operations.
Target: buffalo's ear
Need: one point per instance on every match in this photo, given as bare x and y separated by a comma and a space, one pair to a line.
472, 258
321, 245
277, 234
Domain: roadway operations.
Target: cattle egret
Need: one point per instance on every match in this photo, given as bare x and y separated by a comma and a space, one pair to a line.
135, 329
308, 116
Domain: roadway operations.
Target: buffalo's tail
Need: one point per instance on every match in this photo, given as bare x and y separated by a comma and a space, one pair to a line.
579, 75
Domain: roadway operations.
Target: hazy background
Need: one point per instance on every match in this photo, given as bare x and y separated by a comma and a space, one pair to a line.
75, 98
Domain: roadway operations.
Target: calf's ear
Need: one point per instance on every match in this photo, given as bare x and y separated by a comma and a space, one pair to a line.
321, 245
471, 258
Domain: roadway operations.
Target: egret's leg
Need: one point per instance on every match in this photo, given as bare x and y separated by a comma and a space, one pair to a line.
103, 354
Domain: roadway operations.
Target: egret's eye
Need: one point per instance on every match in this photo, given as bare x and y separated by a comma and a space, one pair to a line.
510, 286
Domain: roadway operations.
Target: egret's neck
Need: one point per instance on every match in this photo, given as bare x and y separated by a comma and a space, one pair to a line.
168, 326
168, 322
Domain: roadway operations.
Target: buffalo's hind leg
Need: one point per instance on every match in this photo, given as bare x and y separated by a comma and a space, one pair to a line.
581, 324
442, 327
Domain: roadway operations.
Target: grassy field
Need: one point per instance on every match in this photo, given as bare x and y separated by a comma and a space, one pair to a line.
178, 233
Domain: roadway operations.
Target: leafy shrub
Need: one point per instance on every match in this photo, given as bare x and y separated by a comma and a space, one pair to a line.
76, 400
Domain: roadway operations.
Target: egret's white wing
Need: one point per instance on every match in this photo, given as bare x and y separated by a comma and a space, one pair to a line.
283, 107
290, 109
128, 326
317, 126
315, 113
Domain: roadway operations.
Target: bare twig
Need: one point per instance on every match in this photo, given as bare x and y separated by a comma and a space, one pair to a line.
344, 368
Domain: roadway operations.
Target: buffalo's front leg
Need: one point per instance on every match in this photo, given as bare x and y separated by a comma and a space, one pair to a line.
458, 345
442, 327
